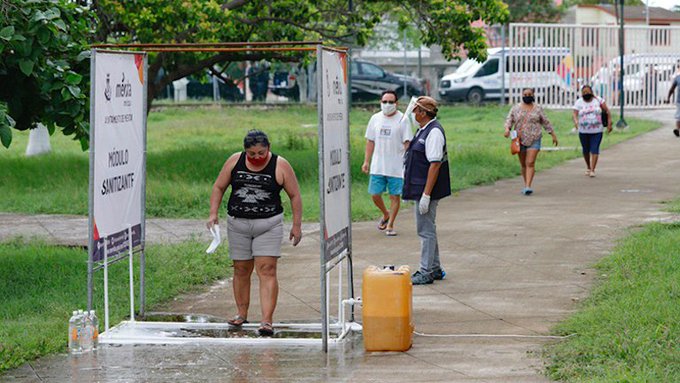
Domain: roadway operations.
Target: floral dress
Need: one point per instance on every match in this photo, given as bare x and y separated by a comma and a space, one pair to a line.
528, 123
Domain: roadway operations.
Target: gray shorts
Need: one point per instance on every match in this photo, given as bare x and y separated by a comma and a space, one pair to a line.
250, 238
677, 112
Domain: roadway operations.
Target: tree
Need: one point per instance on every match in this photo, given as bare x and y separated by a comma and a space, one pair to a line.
45, 75
596, 2
44, 70
443, 22
537, 11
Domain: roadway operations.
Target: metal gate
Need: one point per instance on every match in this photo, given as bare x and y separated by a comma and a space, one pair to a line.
557, 59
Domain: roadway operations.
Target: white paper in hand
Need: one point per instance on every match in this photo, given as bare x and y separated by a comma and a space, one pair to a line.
513, 134
215, 231
409, 108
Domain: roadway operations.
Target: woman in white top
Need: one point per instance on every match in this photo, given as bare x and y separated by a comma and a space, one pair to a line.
588, 111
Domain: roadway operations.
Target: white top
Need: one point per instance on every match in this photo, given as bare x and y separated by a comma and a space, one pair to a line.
434, 144
389, 136
589, 115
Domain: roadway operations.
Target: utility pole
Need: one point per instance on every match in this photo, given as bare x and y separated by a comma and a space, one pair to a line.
621, 124
405, 58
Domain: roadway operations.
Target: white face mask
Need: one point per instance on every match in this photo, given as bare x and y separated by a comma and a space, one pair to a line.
388, 109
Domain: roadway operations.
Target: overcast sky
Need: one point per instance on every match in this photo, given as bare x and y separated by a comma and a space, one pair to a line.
668, 4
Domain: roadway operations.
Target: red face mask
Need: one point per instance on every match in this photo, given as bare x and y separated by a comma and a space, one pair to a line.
258, 161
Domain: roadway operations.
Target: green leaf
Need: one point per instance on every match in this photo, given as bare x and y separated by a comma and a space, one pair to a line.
5, 135
52, 13
73, 78
44, 35
60, 24
83, 55
18, 37
75, 91
38, 16
84, 143
65, 94
26, 67
6, 33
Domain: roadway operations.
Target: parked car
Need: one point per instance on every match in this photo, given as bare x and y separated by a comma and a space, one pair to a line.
544, 69
370, 80
284, 83
636, 77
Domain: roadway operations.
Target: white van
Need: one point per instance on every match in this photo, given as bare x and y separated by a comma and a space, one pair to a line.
543, 69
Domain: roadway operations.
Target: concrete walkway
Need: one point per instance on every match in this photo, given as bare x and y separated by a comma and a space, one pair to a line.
516, 266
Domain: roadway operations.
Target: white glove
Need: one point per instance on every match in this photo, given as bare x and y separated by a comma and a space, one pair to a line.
215, 231
424, 204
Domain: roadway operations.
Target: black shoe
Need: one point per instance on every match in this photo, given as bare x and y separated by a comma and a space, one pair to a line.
419, 278
438, 274
676, 132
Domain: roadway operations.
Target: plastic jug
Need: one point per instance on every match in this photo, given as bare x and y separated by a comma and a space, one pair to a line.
387, 308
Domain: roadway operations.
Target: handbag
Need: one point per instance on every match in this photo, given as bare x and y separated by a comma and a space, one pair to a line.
605, 116
514, 138
514, 142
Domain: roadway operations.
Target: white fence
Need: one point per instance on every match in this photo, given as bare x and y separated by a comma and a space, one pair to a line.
558, 59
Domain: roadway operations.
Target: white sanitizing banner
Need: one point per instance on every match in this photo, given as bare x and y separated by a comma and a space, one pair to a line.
118, 144
336, 177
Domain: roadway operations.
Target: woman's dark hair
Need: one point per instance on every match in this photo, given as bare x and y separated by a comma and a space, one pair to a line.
255, 137
587, 86
529, 88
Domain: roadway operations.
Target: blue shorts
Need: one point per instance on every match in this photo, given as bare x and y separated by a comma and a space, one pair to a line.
534, 145
378, 184
590, 142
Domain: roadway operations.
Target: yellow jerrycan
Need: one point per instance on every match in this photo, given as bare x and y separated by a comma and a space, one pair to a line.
387, 308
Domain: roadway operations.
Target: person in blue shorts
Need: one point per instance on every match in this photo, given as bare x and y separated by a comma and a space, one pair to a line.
387, 137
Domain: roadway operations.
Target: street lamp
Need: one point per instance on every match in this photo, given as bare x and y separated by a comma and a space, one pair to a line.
621, 124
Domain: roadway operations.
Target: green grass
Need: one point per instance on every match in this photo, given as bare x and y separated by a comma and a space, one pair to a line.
42, 284
187, 147
629, 329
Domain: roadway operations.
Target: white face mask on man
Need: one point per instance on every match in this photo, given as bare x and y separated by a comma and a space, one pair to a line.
388, 109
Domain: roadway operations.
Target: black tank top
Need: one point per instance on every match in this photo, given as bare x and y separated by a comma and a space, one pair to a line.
254, 194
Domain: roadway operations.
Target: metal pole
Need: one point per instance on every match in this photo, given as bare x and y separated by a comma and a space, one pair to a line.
350, 269
132, 278
503, 64
405, 94
91, 244
142, 256
106, 284
621, 124
322, 216
647, 13
216, 89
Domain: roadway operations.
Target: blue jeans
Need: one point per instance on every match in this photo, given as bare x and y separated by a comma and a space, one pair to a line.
590, 142
427, 231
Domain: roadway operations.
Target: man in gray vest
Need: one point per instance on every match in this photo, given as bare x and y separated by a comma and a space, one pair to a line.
426, 180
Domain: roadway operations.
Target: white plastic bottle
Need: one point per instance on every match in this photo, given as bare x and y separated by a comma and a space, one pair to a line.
74, 334
95, 330
86, 339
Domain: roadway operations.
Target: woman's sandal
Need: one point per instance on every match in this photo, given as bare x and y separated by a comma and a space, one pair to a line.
382, 225
237, 321
266, 329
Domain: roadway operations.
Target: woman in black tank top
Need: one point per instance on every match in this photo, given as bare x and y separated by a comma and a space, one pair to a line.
257, 177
